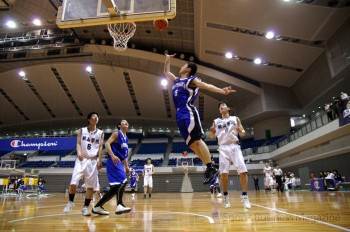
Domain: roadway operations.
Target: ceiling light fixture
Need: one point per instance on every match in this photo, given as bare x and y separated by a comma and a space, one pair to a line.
257, 61
88, 69
22, 74
11, 24
164, 82
269, 35
228, 55
37, 22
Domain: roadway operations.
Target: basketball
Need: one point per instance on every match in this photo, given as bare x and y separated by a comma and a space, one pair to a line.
160, 24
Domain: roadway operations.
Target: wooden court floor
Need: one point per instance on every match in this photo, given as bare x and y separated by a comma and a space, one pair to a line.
290, 211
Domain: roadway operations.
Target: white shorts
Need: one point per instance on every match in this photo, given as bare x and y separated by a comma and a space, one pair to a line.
268, 181
86, 169
148, 181
231, 153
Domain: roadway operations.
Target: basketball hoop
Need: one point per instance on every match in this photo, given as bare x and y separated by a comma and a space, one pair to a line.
185, 166
121, 33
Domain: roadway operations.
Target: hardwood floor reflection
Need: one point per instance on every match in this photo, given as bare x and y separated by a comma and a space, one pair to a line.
290, 211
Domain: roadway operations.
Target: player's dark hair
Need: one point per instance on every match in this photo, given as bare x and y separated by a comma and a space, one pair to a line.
120, 122
223, 102
148, 159
193, 68
90, 115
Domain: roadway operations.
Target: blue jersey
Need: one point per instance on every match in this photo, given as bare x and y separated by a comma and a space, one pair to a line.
133, 176
120, 147
215, 182
184, 96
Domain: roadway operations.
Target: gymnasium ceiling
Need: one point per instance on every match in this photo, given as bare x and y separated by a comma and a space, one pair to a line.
203, 29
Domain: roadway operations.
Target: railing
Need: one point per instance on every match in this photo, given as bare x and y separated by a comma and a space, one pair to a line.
305, 129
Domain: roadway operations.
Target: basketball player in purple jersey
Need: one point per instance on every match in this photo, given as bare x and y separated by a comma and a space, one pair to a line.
185, 92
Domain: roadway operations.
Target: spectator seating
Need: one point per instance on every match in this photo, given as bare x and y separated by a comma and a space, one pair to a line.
55, 153
251, 143
2, 153
156, 136
140, 160
180, 147
174, 157
65, 164
37, 164
211, 142
152, 148
275, 140
70, 164
131, 136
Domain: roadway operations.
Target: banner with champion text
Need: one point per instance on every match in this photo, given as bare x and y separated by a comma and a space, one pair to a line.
33, 144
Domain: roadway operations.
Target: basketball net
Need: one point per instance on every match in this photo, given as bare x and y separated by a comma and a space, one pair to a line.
121, 33
185, 167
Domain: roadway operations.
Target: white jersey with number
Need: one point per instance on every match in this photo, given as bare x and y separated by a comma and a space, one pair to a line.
90, 142
148, 169
268, 171
226, 130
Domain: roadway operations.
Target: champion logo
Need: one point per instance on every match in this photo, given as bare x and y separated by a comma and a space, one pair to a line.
14, 143
21, 143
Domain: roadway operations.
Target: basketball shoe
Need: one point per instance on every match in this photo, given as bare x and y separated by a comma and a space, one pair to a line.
245, 201
68, 207
85, 211
122, 209
210, 174
227, 203
99, 210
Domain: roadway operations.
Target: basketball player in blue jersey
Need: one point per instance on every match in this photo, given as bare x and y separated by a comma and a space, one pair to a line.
117, 169
185, 91
134, 177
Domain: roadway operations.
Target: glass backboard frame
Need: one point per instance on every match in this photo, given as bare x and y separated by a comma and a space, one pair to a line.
133, 13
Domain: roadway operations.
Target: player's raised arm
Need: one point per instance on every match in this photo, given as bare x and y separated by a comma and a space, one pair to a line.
240, 128
212, 88
111, 139
79, 153
167, 72
212, 131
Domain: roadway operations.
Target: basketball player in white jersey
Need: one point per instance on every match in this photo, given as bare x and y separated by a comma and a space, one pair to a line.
227, 130
88, 162
148, 171
268, 176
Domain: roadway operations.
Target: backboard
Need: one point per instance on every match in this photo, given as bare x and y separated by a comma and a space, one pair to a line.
83, 13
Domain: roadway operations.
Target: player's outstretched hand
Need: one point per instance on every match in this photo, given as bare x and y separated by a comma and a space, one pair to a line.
228, 90
168, 55
115, 160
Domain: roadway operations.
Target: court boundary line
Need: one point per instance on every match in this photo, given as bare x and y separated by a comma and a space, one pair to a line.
210, 219
42, 216
42, 207
303, 217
